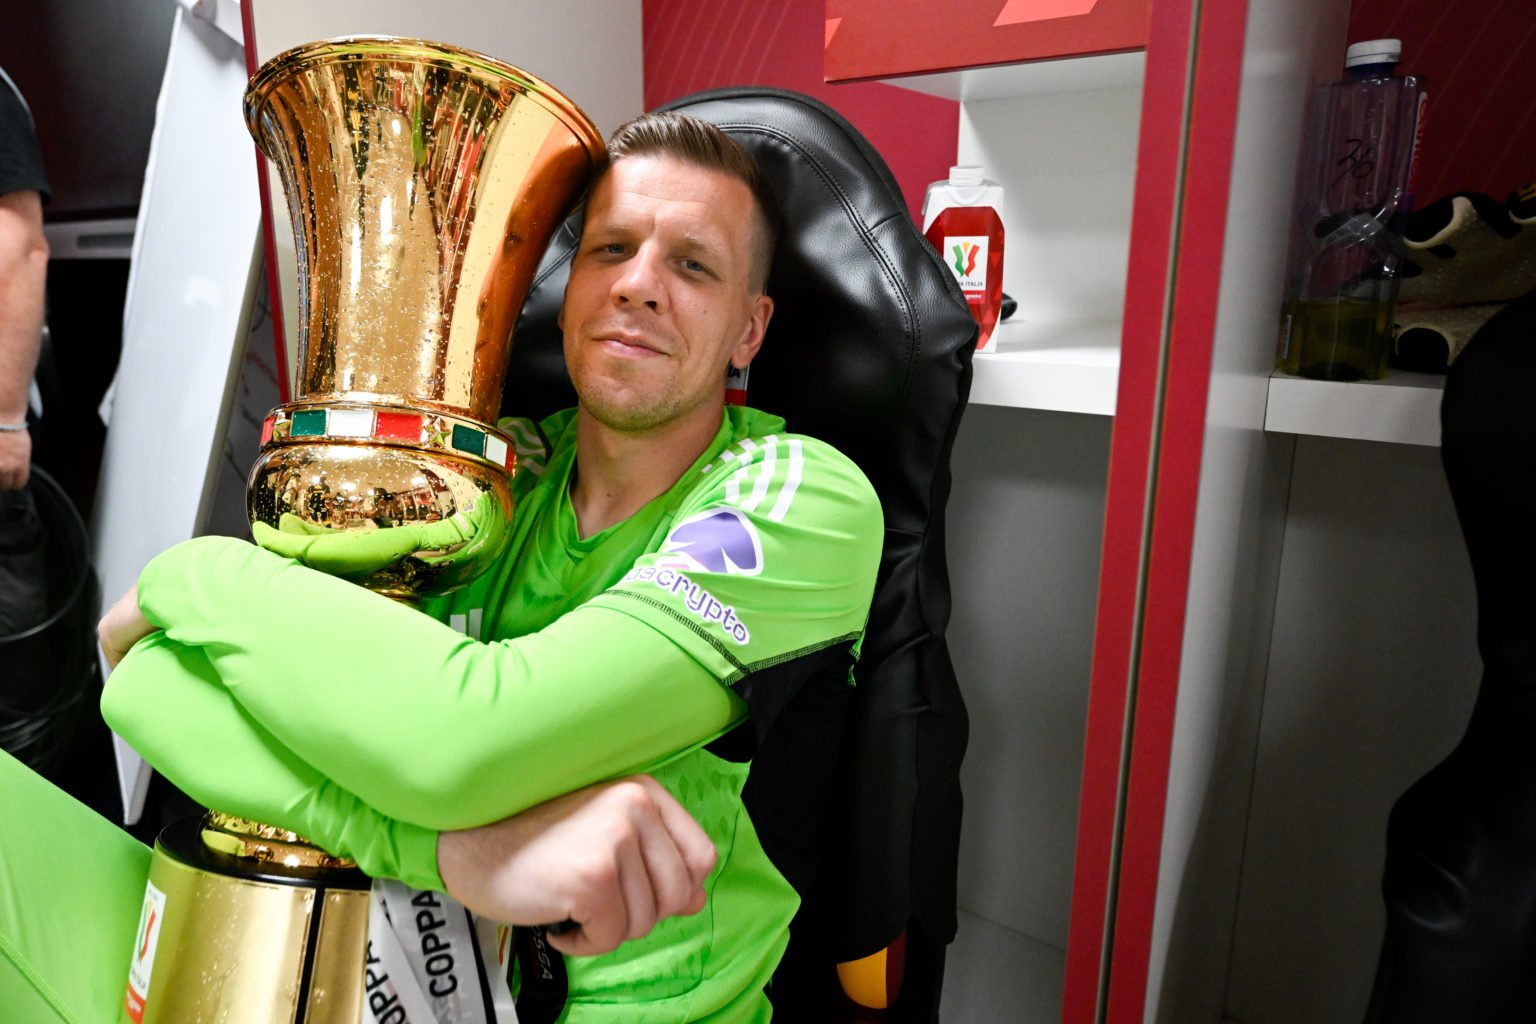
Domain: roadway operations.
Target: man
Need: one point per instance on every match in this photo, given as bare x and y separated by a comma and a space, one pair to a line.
23, 271
686, 590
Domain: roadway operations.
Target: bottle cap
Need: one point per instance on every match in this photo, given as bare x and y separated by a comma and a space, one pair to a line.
965, 174
1374, 51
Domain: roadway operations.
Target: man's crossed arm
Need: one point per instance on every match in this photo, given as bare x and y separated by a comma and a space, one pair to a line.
614, 858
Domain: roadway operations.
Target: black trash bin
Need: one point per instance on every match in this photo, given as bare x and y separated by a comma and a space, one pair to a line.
48, 603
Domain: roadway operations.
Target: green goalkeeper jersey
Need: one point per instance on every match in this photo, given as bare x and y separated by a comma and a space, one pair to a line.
711, 632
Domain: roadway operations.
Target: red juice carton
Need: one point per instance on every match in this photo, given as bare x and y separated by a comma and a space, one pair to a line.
963, 220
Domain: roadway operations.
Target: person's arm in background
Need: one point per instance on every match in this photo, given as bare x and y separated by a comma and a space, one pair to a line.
23, 275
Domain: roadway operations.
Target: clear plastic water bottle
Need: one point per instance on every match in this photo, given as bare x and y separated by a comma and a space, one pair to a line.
963, 220
1354, 198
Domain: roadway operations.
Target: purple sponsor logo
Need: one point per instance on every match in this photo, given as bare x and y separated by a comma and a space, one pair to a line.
719, 540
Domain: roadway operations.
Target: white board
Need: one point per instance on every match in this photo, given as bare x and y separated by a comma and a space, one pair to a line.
189, 293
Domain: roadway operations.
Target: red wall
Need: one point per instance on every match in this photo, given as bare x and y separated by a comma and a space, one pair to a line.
1480, 124
1480, 127
703, 44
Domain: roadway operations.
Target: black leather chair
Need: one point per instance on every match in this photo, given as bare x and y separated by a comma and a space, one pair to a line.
1459, 882
869, 349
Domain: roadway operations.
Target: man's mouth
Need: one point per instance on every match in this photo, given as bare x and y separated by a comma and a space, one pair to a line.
629, 343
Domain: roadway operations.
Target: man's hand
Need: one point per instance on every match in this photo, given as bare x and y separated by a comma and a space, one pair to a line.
15, 459
356, 553
122, 627
614, 858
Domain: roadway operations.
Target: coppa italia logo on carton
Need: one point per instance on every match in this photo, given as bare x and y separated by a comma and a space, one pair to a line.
967, 259
146, 940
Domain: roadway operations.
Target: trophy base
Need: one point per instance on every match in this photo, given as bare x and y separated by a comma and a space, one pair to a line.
225, 938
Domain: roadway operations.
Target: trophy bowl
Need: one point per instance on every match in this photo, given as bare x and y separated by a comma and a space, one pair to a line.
424, 183
458, 502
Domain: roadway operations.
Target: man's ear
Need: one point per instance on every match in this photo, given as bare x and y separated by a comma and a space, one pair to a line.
752, 338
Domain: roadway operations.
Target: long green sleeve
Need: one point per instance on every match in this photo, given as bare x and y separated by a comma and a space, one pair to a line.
419, 722
167, 698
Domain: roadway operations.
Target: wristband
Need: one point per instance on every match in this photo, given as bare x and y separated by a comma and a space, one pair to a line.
13, 428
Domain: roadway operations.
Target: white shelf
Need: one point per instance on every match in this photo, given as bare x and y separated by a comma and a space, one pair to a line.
1035, 78
1072, 366
1403, 407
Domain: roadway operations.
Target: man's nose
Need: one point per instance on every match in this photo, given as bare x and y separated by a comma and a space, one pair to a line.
640, 283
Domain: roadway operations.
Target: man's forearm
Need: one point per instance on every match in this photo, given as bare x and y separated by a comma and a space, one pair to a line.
612, 859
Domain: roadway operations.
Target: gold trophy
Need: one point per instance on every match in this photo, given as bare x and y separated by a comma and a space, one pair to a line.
424, 183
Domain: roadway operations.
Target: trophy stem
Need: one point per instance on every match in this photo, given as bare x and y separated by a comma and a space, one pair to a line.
274, 934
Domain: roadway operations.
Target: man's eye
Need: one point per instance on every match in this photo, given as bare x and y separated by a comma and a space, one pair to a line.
695, 266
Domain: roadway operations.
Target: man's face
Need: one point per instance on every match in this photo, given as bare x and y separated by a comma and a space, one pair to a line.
660, 297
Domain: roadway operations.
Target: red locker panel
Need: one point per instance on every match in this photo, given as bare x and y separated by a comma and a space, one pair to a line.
885, 38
